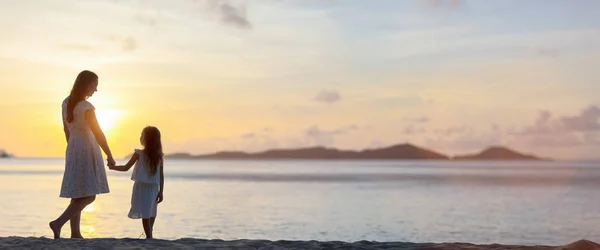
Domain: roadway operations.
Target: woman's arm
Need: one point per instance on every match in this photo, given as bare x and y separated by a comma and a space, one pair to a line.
126, 167
66, 129
159, 199
90, 116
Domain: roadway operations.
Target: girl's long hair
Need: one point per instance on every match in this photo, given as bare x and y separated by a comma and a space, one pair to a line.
152, 148
78, 92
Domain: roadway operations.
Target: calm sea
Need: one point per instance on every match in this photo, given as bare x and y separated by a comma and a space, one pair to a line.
418, 201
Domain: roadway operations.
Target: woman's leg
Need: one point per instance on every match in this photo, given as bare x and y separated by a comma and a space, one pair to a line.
75, 225
147, 228
73, 209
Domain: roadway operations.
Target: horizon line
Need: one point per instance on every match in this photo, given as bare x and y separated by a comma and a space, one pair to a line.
449, 156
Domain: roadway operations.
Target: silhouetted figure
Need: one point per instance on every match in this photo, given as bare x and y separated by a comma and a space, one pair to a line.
149, 179
84, 176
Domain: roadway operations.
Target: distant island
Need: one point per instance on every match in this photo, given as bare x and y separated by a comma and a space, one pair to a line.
497, 153
4, 154
396, 152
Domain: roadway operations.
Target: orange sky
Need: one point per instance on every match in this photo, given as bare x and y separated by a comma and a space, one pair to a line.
345, 74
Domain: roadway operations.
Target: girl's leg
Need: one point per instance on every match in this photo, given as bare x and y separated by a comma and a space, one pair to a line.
73, 209
147, 228
152, 219
152, 222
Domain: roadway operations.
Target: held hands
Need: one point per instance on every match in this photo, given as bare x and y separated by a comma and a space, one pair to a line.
111, 162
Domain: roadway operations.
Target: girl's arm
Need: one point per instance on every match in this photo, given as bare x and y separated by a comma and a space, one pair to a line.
90, 116
159, 199
126, 167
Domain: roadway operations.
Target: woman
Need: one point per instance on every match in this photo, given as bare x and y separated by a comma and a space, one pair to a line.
84, 176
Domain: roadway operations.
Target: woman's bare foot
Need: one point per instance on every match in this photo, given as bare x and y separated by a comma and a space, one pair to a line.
55, 229
76, 236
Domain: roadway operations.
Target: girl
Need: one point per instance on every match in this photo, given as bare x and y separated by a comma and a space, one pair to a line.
149, 179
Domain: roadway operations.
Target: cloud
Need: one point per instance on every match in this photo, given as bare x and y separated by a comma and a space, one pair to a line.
411, 130
586, 121
543, 117
542, 125
255, 141
464, 143
129, 44
318, 136
234, 16
146, 20
263, 132
592, 139
248, 136
548, 52
463, 139
125, 44
443, 4
328, 97
376, 144
564, 131
422, 119
495, 128
316, 131
231, 13
249, 142
228, 12
399, 101
80, 47
550, 140
450, 131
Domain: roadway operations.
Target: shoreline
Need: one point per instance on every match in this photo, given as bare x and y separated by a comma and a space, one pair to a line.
555, 161
189, 243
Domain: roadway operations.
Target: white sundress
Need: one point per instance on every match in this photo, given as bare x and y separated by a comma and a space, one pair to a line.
84, 165
145, 189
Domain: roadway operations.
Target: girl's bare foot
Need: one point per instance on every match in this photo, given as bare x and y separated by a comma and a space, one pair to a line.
76, 236
55, 229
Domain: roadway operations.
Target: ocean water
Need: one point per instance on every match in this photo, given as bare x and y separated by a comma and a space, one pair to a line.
550, 203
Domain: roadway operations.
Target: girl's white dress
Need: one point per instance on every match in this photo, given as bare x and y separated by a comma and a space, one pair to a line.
84, 165
145, 189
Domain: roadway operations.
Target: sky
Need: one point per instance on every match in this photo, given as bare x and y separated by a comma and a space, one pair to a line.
454, 76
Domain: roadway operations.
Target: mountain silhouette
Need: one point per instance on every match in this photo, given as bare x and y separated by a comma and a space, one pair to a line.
497, 153
404, 151
4, 154
400, 151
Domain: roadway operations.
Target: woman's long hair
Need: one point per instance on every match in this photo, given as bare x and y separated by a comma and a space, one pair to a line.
78, 92
152, 148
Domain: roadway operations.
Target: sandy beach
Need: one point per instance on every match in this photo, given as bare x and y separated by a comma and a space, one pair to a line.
45, 243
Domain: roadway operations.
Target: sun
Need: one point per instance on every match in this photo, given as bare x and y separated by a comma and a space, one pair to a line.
107, 118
